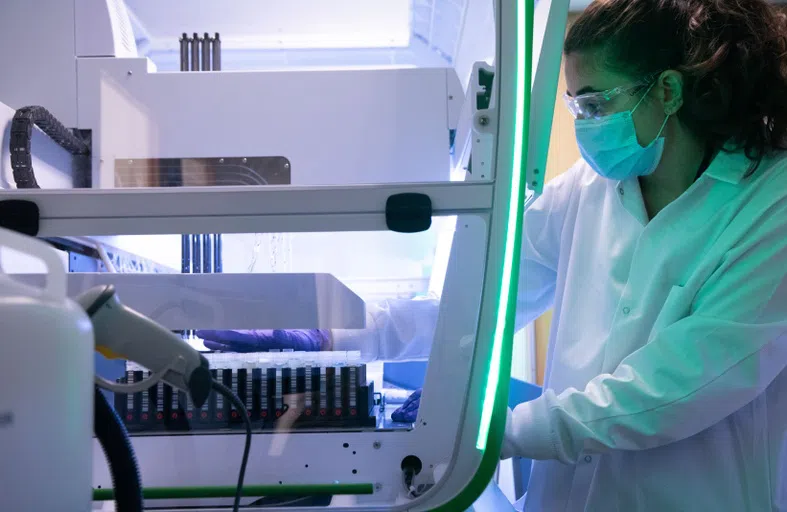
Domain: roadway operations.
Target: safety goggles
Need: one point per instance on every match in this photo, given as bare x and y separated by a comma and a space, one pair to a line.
594, 105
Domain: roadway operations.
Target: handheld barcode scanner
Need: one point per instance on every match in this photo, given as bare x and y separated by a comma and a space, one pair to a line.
122, 333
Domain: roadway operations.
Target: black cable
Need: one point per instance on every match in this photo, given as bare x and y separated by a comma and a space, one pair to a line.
413, 491
411, 466
21, 137
232, 397
116, 444
285, 501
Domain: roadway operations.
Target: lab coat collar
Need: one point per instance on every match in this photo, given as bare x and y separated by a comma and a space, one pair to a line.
729, 166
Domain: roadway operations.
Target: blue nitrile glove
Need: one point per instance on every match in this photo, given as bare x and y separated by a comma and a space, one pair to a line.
302, 340
409, 409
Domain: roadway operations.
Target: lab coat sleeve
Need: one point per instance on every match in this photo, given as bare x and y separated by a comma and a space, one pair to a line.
542, 229
396, 330
403, 329
690, 375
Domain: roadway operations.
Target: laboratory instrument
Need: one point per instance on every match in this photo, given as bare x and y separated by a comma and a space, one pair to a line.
60, 363
292, 169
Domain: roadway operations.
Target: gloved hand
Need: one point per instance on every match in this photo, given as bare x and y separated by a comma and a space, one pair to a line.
302, 340
408, 411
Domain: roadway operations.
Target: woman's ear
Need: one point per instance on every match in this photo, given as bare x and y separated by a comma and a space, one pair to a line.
671, 86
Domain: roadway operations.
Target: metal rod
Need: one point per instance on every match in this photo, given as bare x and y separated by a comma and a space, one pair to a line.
217, 259
206, 52
184, 52
185, 254
195, 52
216, 53
196, 254
207, 256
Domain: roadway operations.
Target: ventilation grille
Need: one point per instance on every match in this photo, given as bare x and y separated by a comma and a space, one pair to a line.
125, 44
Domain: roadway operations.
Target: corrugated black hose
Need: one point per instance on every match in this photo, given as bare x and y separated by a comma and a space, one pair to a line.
115, 442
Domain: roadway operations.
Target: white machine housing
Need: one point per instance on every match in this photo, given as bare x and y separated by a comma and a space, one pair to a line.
320, 120
45, 374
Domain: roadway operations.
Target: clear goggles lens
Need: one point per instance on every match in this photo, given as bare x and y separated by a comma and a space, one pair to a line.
594, 105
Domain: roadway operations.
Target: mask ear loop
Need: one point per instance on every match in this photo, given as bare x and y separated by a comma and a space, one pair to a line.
666, 118
663, 125
643, 97
661, 130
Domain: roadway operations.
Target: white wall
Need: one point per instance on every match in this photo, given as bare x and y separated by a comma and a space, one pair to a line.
38, 56
278, 24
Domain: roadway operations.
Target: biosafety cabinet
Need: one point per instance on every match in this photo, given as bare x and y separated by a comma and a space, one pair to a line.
350, 166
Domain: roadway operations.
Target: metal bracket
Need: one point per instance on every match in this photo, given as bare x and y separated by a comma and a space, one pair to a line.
484, 77
481, 165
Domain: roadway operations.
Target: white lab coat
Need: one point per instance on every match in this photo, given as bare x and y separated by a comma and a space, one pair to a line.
666, 387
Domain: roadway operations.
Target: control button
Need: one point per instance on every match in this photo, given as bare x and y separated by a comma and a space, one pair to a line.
626, 310
620, 190
588, 459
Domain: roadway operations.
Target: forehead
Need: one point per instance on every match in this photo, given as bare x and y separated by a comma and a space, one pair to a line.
584, 74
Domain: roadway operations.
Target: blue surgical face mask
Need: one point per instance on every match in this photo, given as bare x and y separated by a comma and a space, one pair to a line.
609, 145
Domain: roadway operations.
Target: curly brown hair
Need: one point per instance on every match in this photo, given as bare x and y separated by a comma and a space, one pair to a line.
732, 55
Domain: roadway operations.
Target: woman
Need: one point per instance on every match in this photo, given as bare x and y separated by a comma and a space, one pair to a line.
664, 255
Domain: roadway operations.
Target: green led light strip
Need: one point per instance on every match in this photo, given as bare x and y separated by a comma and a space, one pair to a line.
513, 229
228, 491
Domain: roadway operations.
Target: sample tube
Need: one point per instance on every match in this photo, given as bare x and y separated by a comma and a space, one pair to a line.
218, 412
234, 386
248, 375
129, 399
257, 376
174, 404
158, 403
307, 382
353, 391
265, 394
145, 406
323, 391
278, 400
338, 409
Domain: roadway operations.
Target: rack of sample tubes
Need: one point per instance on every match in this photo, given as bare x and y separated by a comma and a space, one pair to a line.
323, 390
